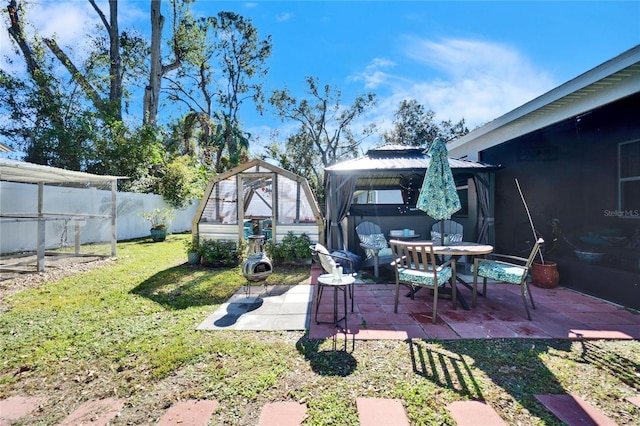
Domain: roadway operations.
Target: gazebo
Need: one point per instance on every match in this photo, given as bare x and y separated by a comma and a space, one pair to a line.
257, 198
383, 186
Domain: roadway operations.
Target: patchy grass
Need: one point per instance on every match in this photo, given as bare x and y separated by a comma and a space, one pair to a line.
127, 329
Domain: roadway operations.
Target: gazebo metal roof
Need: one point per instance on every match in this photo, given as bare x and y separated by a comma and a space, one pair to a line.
389, 165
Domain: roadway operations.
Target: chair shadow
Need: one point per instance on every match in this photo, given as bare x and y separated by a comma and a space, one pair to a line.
618, 366
500, 360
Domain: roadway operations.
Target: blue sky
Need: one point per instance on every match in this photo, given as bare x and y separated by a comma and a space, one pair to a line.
474, 60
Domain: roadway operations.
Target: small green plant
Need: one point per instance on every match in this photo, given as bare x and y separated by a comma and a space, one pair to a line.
160, 218
220, 253
192, 245
293, 248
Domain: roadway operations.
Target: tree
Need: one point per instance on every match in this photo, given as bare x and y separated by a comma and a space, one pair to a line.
325, 132
182, 42
415, 127
232, 47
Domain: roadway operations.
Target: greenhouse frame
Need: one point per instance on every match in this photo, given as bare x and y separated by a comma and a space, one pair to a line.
274, 202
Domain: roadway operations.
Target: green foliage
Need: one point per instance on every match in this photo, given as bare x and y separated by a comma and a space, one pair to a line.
325, 135
220, 253
179, 184
192, 245
160, 218
414, 126
293, 248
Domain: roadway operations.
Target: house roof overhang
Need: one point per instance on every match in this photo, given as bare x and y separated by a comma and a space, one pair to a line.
606, 83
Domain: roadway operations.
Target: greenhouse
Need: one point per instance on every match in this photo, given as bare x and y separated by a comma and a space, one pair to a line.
257, 198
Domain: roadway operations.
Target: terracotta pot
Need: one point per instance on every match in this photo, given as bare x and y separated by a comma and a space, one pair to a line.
545, 275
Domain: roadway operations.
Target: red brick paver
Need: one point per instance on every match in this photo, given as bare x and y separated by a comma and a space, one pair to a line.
473, 413
192, 413
282, 414
15, 407
574, 410
381, 412
96, 412
634, 400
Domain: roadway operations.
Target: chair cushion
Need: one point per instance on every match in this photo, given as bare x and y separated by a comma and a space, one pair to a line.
498, 271
327, 262
436, 238
375, 240
424, 278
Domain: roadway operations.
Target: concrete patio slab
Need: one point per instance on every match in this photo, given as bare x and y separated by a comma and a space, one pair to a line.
560, 314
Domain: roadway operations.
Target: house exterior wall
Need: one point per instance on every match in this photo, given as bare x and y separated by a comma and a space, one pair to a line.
569, 171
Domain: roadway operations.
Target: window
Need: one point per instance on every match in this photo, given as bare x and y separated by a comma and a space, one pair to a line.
629, 179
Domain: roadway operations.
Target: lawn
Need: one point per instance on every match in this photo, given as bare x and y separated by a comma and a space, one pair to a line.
127, 330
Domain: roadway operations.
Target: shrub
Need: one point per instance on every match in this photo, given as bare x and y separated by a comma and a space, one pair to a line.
220, 253
293, 248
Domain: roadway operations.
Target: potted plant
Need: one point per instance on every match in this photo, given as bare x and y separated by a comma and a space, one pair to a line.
545, 273
160, 219
192, 248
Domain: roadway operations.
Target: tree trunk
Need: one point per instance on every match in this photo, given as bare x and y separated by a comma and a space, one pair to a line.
115, 72
152, 91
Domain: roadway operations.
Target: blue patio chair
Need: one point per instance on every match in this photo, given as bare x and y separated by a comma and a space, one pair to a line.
507, 269
374, 243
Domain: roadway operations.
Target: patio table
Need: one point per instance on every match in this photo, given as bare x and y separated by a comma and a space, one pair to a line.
459, 249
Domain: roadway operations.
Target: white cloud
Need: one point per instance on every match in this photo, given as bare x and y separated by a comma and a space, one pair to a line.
475, 80
284, 17
69, 22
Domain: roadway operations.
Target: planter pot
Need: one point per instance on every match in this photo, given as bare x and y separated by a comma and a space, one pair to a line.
159, 235
193, 258
545, 275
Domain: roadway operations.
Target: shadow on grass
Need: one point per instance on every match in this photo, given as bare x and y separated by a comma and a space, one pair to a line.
618, 366
326, 362
186, 286
513, 365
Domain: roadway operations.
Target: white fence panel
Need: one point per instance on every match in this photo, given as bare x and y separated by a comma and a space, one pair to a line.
22, 199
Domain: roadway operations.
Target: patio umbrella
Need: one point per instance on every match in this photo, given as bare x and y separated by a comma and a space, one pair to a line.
438, 196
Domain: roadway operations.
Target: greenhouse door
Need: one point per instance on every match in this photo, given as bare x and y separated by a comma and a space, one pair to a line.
257, 208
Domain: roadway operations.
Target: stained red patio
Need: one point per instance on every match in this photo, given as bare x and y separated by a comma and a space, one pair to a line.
559, 313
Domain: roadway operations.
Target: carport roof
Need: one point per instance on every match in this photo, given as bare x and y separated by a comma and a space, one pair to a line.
20, 171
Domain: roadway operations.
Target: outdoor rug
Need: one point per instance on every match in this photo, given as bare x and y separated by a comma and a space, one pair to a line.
258, 308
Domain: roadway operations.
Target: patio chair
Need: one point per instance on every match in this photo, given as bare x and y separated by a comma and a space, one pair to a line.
328, 262
375, 246
415, 266
507, 269
453, 229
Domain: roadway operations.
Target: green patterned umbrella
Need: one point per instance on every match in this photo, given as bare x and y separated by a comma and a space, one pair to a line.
438, 196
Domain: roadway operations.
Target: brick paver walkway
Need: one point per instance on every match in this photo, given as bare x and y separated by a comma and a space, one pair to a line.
371, 411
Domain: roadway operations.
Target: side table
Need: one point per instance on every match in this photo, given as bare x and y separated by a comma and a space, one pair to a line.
342, 284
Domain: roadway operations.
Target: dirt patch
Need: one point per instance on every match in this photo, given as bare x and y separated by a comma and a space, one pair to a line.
56, 268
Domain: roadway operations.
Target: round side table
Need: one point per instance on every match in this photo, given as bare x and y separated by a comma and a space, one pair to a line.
342, 284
